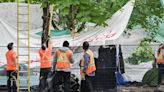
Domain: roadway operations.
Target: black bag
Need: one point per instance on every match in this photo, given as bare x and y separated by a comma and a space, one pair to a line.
83, 86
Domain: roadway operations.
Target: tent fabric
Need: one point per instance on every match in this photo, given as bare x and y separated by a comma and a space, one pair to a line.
116, 25
136, 72
8, 13
120, 79
151, 77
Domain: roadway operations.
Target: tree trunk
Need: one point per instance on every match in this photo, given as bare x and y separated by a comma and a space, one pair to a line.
73, 20
81, 27
46, 21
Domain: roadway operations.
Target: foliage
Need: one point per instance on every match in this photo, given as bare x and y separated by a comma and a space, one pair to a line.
143, 53
97, 11
78, 12
1, 1
148, 14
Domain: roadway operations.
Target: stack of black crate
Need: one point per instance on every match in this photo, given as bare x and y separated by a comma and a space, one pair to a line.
105, 78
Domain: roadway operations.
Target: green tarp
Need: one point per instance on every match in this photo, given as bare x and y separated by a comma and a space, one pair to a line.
160, 34
162, 2
57, 32
151, 77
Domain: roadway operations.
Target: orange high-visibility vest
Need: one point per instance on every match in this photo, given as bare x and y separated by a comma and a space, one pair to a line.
160, 57
45, 57
11, 57
91, 64
63, 59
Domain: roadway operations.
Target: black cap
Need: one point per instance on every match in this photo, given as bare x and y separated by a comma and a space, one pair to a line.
10, 45
85, 45
65, 44
43, 47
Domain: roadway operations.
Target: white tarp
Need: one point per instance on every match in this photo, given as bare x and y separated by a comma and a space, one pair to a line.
98, 35
137, 72
95, 35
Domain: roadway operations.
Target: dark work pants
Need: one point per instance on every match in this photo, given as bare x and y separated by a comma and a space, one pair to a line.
44, 72
86, 85
11, 82
60, 78
160, 73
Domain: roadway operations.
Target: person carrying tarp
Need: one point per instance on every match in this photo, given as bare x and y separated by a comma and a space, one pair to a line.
160, 62
87, 68
11, 68
45, 64
63, 59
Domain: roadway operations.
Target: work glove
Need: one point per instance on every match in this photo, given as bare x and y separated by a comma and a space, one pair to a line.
83, 76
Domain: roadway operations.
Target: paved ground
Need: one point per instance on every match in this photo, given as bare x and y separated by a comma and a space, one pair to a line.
129, 89
137, 89
20, 91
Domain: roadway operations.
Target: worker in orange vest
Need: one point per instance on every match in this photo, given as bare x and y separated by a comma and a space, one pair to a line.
63, 59
11, 68
160, 62
87, 68
45, 64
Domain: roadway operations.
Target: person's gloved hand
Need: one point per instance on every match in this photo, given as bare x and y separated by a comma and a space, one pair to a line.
83, 76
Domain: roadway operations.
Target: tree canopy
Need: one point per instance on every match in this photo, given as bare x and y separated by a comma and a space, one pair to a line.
73, 13
148, 14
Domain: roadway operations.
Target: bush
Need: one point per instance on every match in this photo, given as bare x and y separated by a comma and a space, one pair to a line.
143, 53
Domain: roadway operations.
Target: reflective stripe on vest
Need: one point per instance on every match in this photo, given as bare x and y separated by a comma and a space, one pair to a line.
45, 60
44, 57
63, 59
91, 64
160, 57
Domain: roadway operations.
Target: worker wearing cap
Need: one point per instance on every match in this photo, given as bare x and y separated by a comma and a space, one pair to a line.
63, 59
45, 64
11, 67
87, 67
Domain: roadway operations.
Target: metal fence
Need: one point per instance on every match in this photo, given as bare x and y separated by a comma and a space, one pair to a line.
106, 62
